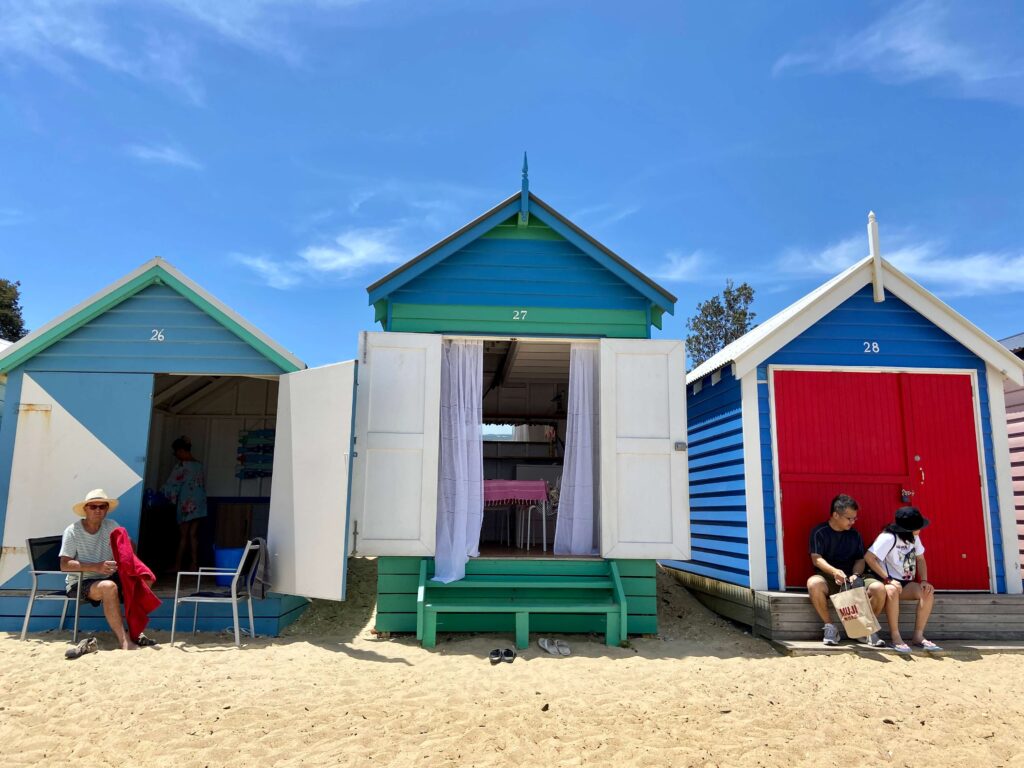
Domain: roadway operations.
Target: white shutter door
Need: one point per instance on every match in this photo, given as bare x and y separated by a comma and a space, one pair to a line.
307, 535
643, 459
394, 481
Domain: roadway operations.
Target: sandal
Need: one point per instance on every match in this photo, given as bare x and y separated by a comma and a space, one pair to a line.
563, 648
144, 642
87, 645
509, 655
495, 656
928, 645
551, 646
901, 648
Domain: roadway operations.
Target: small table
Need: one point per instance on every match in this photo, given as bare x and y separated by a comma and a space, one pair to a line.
531, 492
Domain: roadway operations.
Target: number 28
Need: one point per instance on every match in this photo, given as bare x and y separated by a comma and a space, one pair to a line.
871, 347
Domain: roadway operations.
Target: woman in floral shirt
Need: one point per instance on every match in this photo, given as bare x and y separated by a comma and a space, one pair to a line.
186, 488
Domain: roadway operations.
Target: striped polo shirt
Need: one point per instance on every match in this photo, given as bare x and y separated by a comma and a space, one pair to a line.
85, 547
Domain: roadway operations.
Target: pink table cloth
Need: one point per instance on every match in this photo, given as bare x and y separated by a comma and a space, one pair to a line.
515, 491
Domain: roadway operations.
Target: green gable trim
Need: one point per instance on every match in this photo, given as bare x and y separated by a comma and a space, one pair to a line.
512, 230
380, 311
656, 315
519, 321
104, 303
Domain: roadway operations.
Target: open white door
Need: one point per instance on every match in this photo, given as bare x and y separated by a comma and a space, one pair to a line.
307, 535
394, 480
644, 474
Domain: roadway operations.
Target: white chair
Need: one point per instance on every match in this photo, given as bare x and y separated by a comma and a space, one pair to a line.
242, 579
44, 560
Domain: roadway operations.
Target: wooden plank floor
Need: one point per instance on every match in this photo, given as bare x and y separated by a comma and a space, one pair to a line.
790, 616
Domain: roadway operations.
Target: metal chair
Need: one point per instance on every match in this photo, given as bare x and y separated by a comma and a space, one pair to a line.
241, 587
44, 560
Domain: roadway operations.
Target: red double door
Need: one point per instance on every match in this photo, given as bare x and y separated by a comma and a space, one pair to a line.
875, 436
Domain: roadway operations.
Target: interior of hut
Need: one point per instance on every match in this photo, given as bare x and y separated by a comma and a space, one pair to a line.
526, 386
228, 423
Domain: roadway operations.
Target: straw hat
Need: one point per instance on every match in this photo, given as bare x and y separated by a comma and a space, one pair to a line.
97, 494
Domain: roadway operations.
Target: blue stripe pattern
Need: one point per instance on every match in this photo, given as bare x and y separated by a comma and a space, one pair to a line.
718, 501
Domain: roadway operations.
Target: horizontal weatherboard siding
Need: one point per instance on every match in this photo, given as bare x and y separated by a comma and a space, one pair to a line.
906, 340
520, 320
126, 338
718, 514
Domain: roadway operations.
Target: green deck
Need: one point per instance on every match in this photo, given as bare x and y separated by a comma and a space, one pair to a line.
398, 580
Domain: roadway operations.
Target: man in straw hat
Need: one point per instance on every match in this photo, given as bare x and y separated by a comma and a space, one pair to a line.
86, 547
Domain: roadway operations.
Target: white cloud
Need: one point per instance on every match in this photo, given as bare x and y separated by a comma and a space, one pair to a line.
918, 40
347, 254
150, 46
929, 262
679, 266
163, 153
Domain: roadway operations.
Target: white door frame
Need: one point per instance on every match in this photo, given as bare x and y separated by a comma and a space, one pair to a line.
972, 373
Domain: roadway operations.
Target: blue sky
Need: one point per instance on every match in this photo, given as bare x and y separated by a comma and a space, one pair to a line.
287, 154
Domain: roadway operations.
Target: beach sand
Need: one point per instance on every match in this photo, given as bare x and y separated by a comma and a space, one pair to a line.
330, 693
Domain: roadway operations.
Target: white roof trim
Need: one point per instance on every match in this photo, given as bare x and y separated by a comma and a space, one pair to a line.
753, 348
175, 272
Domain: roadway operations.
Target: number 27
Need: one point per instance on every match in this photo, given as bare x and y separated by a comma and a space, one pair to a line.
519, 314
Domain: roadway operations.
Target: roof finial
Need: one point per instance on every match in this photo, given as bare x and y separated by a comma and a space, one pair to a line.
876, 258
524, 198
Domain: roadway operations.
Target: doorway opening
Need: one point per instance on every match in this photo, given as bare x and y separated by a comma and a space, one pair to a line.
230, 423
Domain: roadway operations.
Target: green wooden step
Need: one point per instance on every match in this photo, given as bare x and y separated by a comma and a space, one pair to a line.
515, 582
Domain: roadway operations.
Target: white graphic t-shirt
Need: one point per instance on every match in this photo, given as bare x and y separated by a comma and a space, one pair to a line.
899, 557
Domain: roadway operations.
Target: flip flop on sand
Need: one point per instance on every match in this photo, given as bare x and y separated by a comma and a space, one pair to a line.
901, 648
495, 656
86, 645
144, 642
549, 645
928, 645
509, 655
563, 648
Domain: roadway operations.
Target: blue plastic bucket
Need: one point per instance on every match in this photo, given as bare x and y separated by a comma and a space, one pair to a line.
227, 558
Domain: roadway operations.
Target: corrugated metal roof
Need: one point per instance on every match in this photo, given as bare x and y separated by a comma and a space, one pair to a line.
752, 338
1014, 343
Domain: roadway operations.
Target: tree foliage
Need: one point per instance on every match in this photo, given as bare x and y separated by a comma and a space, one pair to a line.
12, 326
719, 320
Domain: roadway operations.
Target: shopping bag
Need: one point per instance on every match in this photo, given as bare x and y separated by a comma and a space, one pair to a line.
855, 612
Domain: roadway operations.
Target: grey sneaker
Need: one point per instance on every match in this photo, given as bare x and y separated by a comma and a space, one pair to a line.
873, 640
830, 635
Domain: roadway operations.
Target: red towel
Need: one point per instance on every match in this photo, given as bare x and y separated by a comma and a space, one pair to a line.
135, 576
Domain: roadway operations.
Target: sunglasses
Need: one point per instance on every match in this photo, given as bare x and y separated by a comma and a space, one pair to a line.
97, 506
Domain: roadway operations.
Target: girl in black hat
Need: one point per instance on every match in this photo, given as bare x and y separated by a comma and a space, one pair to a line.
896, 559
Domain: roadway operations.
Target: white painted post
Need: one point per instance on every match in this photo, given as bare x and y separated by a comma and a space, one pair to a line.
876, 258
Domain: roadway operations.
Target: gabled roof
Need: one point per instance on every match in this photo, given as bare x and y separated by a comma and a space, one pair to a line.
438, 252
748, 351
152, 272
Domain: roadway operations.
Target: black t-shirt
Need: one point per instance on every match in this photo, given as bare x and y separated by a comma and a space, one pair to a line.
841, 549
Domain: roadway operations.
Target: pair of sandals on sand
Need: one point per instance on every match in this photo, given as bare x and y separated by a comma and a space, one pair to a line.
555, 647
924, 645
89, 645
499, 655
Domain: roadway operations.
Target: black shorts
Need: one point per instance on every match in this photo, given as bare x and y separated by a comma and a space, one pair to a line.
72, 591
830, 582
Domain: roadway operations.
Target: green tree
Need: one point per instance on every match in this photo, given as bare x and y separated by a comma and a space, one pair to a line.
12, 326
719, 320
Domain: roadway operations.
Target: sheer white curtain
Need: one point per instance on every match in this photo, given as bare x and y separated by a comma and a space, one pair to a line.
460, 486
574, 528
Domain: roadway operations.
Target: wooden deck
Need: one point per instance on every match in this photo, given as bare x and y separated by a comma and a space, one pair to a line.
790, 616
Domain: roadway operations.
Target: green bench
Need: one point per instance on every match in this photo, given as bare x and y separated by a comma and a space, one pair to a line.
522, 595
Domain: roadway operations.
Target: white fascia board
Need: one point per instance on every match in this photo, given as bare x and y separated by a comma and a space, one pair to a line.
1004, 482
956, 325
749, 359
757, 557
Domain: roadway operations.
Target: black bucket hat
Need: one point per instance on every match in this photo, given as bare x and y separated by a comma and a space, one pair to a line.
910, 519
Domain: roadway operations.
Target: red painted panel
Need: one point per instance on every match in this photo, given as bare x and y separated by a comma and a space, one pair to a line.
858, 433
946, 479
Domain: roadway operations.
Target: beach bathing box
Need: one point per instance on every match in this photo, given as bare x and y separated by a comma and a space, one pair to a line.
518, 318
95, 398
871, 386
1014, 395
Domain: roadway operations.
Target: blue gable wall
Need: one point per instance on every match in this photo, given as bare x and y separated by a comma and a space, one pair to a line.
494, 271
906, 340
119, 341
718, 504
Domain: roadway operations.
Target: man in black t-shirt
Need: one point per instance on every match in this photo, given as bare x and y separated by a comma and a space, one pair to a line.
837, 554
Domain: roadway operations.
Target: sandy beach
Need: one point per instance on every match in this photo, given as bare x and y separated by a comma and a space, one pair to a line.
330, 693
